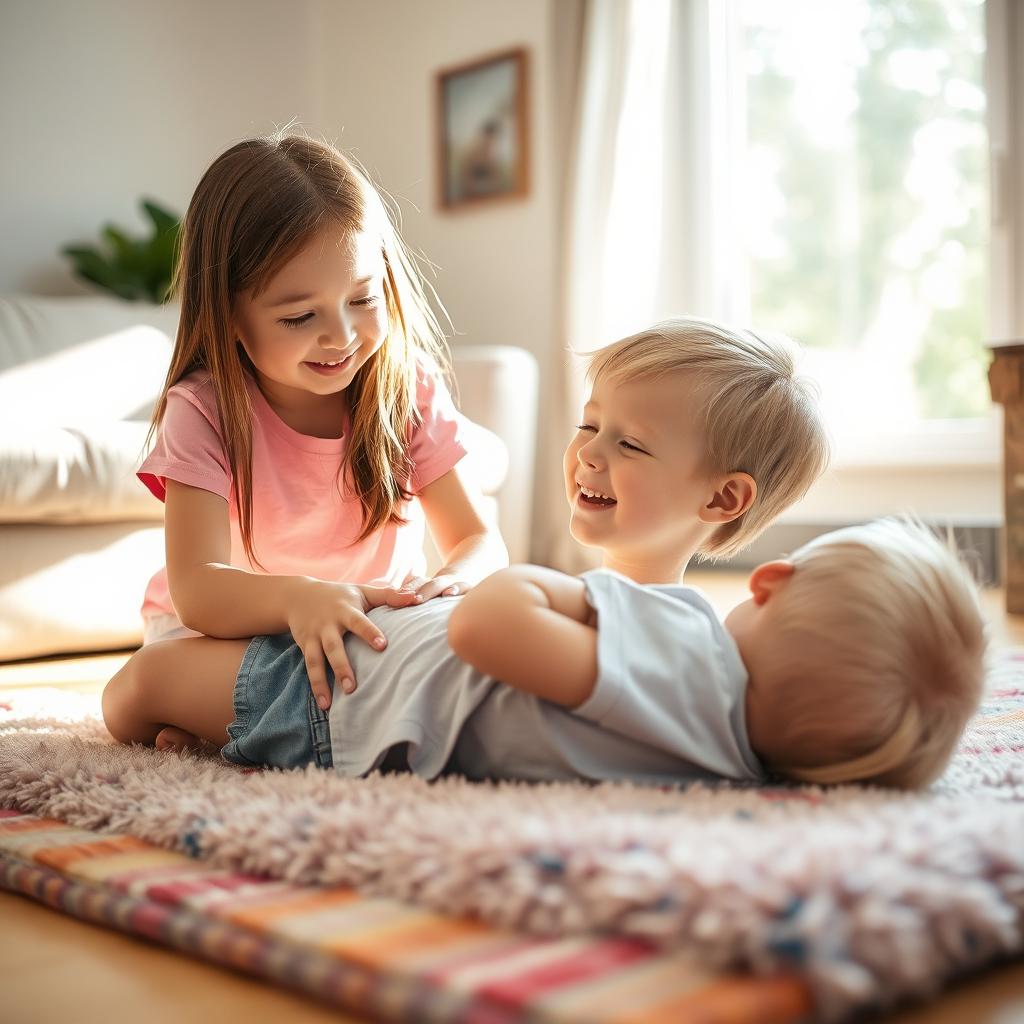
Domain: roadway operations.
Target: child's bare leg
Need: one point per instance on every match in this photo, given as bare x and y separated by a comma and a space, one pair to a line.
182, 689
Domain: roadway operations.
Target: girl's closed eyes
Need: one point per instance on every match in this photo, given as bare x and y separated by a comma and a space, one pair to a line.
369, 302
295, 321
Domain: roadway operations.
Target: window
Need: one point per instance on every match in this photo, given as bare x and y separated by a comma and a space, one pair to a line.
865, 217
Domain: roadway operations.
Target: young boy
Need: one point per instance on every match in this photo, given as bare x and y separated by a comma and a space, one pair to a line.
693, 439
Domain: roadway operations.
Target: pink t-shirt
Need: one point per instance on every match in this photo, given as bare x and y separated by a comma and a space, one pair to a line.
302, 523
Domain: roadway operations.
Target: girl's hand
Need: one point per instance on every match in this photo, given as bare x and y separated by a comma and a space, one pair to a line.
393, 597
322, 613
444, 584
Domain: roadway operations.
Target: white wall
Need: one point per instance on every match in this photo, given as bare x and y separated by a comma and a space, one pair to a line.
107, 101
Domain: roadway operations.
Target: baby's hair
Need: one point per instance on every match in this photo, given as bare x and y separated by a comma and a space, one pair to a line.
256, 206
880, 658
759, 416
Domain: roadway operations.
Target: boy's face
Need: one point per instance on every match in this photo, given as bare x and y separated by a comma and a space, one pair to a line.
634, 473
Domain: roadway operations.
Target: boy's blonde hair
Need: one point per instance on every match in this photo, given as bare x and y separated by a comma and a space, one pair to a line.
759, 416
880, 650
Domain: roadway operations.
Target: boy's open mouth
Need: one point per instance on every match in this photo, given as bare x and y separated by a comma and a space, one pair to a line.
595, 499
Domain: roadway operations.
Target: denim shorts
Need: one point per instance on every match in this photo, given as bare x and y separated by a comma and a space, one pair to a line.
277, 722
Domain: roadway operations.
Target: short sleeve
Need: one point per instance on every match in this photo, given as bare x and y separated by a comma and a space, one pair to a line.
669, 675
188, 448
437, 442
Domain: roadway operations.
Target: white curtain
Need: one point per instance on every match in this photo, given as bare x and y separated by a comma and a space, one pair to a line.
649, 219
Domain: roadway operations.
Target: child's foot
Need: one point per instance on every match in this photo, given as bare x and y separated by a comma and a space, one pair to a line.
172, 738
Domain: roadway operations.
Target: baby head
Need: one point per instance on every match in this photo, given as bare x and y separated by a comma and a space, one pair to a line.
865, 651
695, 437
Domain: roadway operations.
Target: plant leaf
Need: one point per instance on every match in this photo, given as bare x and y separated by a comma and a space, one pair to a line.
96, 268
132, 268
162, 219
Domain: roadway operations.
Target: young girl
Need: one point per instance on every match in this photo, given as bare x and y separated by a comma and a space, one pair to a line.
304, 423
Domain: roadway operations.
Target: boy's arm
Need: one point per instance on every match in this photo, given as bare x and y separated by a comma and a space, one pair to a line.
533, 629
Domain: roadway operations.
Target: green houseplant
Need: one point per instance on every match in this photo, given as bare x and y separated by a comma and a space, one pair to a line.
131, 268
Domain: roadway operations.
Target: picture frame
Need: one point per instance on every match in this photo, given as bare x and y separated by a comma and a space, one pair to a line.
482, 133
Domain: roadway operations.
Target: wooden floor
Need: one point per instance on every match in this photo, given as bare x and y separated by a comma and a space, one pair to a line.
54, 968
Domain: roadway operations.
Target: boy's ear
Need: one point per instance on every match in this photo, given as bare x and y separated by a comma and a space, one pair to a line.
768, 577
734, 494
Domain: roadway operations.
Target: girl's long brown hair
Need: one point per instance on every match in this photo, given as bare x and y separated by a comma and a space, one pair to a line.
256, 206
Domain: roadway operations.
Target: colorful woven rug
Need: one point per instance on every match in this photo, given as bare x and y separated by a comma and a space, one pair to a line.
863, 895
380, 957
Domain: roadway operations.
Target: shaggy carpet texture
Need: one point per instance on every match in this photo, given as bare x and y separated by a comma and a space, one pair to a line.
871, 895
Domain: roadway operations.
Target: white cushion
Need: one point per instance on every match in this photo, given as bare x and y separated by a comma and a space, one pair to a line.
82, 474
78, 379
67, 360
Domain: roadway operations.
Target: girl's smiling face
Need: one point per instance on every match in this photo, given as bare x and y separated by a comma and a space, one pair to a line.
320, 318
635, 476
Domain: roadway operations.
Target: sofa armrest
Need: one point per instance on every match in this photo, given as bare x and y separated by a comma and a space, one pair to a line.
496, 386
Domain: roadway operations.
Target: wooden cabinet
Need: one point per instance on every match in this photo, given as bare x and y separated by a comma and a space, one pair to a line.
1006, 382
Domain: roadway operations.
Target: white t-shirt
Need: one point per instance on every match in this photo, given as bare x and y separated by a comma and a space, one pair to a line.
667, 706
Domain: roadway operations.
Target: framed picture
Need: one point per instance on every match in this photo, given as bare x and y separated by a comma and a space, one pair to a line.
483, 138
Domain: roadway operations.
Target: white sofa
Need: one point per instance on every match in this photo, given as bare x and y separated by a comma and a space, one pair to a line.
80, 536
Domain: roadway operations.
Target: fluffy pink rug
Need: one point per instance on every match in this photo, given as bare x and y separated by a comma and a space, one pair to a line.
871, 895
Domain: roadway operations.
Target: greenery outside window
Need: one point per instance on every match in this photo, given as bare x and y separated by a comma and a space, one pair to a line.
865, 185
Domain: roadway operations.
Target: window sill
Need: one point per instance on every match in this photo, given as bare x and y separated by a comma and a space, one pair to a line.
943, 471
935, 444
